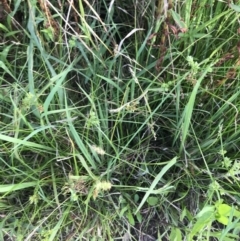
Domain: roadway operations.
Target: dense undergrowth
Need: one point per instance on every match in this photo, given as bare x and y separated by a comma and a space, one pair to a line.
119, 120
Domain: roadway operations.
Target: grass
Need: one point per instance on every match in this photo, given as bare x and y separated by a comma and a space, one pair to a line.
119, 120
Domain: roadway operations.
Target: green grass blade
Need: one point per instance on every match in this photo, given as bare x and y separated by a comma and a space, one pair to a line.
188, 111
6, 188
25, 143
155, 182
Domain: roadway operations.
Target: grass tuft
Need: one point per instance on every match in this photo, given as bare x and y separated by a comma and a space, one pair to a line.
119, 120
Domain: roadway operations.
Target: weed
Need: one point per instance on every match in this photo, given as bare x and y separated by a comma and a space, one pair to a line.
119, 120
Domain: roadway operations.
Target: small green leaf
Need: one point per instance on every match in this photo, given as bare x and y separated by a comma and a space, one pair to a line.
224, 209
186, 214
183, 214
49, 33
152, 201
124, 209
3, 27
223, 213
223, 219
139, 217
235, 7
206, 218
130, 217
236, 213
136, 198
175, 235
206, 209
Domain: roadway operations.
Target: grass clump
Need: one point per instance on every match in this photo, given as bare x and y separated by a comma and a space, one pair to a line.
119, 120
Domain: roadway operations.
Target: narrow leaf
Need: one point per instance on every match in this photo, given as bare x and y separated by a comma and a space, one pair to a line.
235, 7
13, 187
155, 182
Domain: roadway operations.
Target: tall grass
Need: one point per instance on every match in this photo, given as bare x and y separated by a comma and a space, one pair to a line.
119, 120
